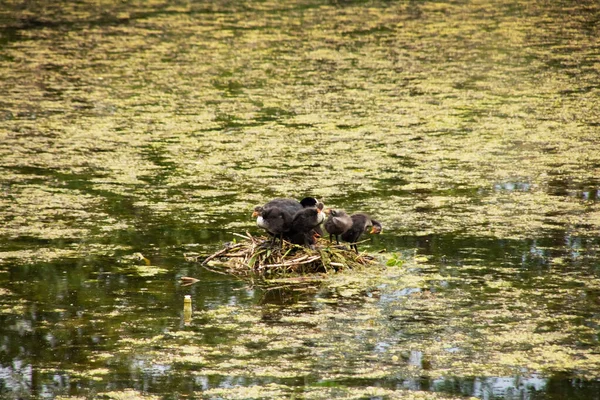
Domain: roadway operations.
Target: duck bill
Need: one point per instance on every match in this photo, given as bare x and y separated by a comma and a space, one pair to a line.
375, 230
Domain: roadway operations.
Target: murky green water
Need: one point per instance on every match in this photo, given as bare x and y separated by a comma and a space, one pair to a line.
469, 128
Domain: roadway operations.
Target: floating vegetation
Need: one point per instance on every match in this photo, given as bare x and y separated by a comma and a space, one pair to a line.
145, 270
256, 255
128, 394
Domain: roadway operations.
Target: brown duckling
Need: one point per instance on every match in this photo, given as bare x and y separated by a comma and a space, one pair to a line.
360, 223
337, 223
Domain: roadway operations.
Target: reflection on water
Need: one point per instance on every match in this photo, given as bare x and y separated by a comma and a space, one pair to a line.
501, 387
510, 186
469, 129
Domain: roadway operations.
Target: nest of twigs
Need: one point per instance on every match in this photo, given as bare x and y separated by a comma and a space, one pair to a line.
256, 255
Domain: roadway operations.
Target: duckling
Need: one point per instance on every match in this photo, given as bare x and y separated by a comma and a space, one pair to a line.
360, 224
276, 216
337, 223
305, 224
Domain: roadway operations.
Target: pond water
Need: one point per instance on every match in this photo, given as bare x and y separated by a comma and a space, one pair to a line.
138, 135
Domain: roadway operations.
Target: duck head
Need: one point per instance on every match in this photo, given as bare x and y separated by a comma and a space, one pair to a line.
321, 213
376, 228
257, 211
